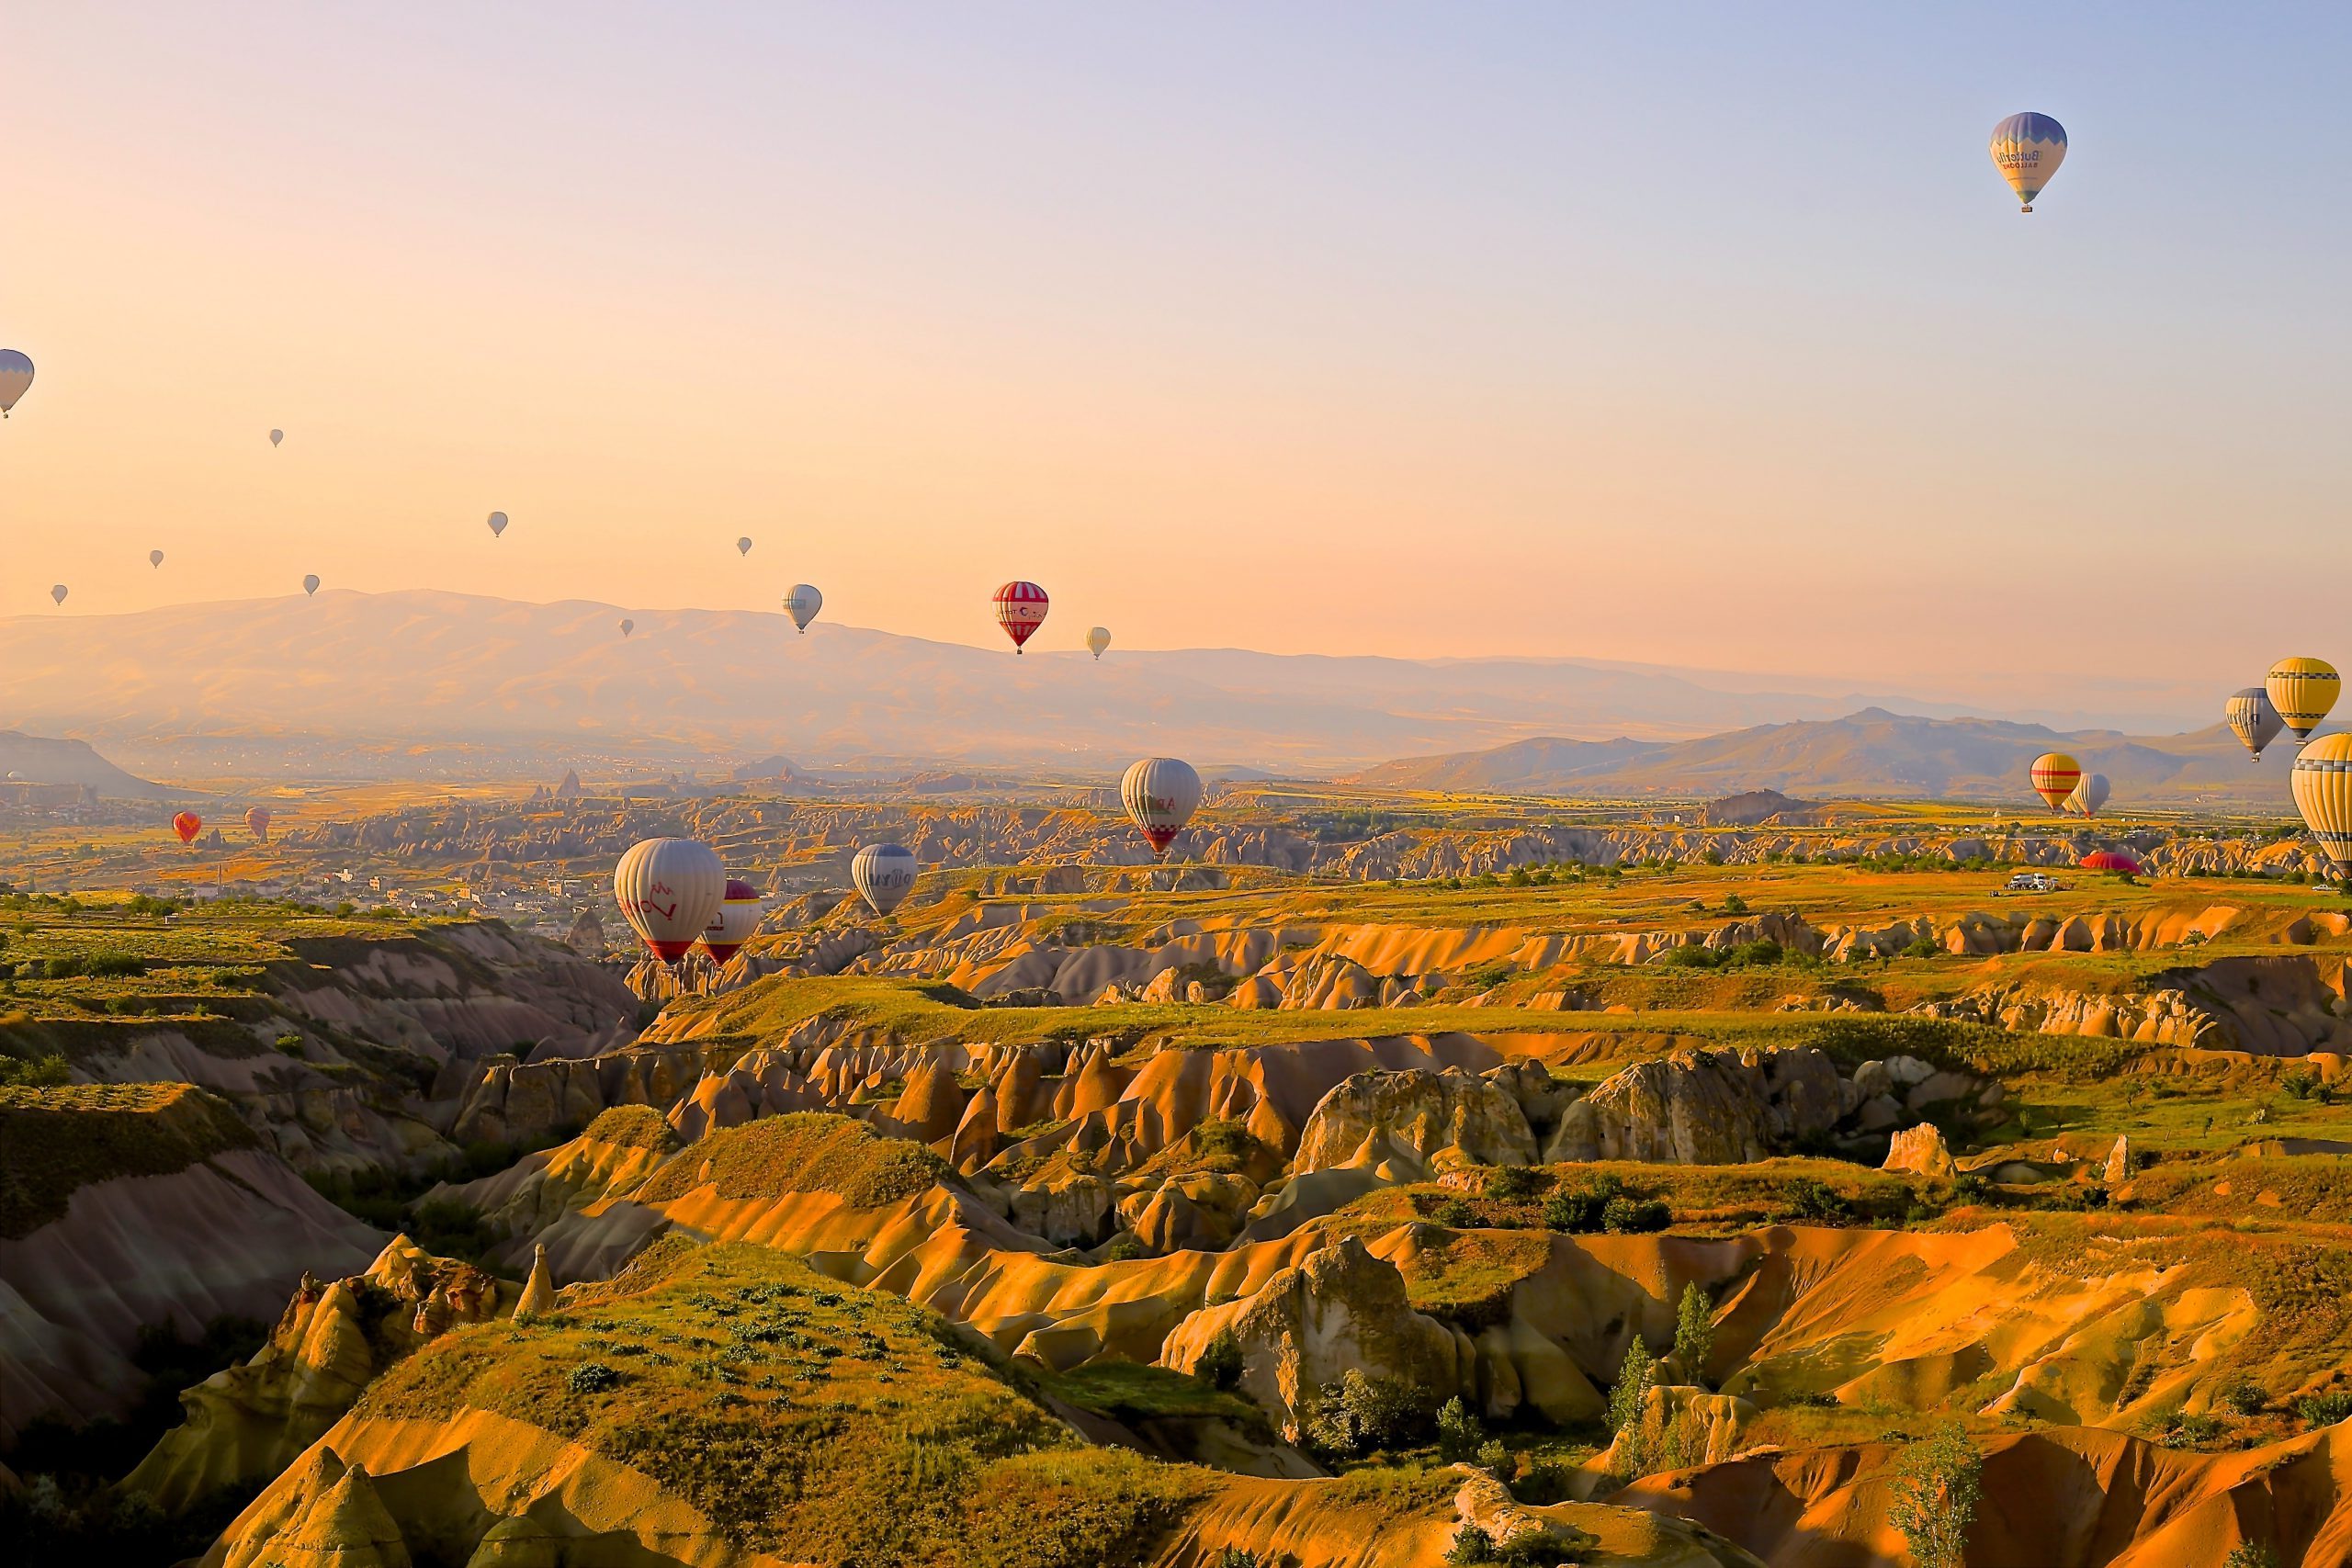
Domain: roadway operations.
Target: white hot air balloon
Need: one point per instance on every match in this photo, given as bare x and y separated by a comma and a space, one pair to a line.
311, 583
497, 523
2089, 795
884, 874
16, 375
743, 546
802, 604
276, 436
626, 628
1160, 793
668, 890
57, 593
1097, 639
154, 557
739, 917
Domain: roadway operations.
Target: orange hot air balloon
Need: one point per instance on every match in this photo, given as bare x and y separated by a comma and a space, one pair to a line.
2055, 774
257, 823
187, 825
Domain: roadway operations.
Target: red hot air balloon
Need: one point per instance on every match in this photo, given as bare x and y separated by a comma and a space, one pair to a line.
1021, 610
2111, 859
187, 825
257, 823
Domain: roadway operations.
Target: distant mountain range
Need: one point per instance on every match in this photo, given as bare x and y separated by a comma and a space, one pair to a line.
1872, 753
432, 683
33, 758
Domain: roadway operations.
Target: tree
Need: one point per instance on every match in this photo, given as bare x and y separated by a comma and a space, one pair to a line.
1936, 1482
1695, 1333
1628, 1403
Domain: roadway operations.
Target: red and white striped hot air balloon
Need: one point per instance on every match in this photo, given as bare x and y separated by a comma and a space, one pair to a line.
668, 890
1021, 610
257, 823
739, 916
1160, 793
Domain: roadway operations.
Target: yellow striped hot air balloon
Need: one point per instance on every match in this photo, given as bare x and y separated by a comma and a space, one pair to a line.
2302, 690
2055, 774
2322, 782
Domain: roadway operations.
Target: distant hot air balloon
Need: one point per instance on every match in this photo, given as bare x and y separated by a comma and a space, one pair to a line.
802, 604
743, 546
1021, 610
668, 890
2302, 690
257, 823
740, 908
2253, 719
884, 874
276, 436
2322, 785
311, 583
1097, 639
187, 825
57, 593
2028, 148
626, 628
2111, 859
2055, 774
1160, 793
154, 557
2089, 796
497, 523
16, 375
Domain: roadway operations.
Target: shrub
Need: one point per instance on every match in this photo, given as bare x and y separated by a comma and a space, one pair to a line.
1470, 1548
1937, 1484
1810, 1202
1632, 1216
1360, 1414
2246, 1398
592, 1376
2317, 1410
1125, 1248
1923, 948
2193, 1426
1512, 1184
2249, 1554
1579, 1210
1221, 1362
1459, 1432
1735, 905
1496, 1459
44, 1072
1455, 1215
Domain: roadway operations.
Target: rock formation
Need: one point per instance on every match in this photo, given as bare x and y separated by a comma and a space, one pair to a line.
1921, 1151
1421, 1121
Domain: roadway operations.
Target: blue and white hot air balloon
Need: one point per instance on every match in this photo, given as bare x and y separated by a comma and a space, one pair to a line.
2028, 148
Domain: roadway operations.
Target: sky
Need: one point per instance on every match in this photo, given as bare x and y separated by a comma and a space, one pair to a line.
1693, 334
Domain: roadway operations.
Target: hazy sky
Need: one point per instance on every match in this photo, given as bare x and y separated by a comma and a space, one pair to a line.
1677, 333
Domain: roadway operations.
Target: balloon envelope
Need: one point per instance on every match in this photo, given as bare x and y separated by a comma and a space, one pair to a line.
668, 890
743, 546
1097, 639
257, 823
1020, 610
882, 874
627, 626
802, 604
276, 436
2055, 775
57, 593
2322, 785
187, 825
154, 557
16, 375
311, 583
2302, 690
740, 908
2111, 859
2087, 797
2028, 148
2253, 719
1160, 793
497, 523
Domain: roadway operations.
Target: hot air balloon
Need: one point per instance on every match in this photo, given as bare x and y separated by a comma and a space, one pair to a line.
1021, 610
802, 604
2028, 148
276, 436
2111, 859
1097, 639
2055, 774
257, 823
16, 375
311, 583
57, 593
626, 628
2322, 785
2089, 796
1160, 793
668, 890
2253, 719
497, 523
743, 546
154, 557
884, 874
187, 825
739, 916
2302, 690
